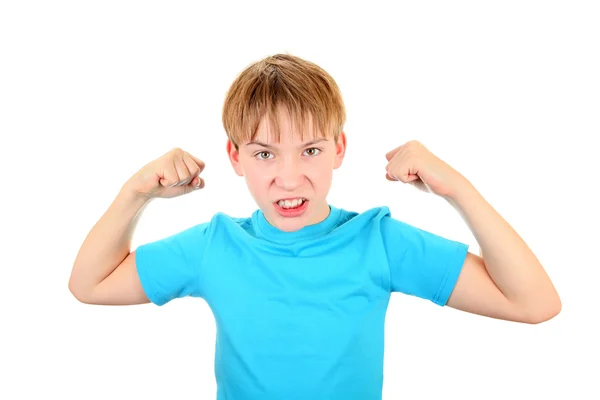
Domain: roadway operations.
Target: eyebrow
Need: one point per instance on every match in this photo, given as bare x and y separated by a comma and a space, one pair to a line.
256, 143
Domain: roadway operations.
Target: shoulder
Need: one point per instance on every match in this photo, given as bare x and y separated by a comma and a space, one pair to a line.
361, 219
371, 215
225, 223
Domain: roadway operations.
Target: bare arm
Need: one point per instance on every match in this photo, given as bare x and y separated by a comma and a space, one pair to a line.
507, 282
107, 246
105, 270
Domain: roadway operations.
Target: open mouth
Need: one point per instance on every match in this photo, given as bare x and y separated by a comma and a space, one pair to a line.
291, 207
288, 204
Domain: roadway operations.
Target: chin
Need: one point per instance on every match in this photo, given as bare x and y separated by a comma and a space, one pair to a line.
290, 229
289, 224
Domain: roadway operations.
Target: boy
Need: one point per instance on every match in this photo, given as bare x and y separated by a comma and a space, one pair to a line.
299, 289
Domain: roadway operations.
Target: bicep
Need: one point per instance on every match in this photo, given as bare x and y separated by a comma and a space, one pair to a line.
121, 287
475, 292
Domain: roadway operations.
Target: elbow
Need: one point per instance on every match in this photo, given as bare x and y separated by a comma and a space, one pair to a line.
546, 311
75, 293
78, 293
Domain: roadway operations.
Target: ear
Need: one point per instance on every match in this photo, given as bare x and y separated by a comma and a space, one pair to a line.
340, 150
234, 158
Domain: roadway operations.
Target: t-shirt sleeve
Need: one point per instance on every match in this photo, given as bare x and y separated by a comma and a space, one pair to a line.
170, 268
421, 263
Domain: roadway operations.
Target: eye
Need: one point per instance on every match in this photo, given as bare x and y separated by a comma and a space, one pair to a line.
261, 153
315, 149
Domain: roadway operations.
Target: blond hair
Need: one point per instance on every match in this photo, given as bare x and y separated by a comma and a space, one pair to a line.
302, 87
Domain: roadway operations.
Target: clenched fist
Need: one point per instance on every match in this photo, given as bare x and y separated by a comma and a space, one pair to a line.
173, 174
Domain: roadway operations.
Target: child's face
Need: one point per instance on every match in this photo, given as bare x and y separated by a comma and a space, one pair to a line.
289, 169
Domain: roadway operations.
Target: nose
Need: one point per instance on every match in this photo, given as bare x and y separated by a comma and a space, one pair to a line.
289, 175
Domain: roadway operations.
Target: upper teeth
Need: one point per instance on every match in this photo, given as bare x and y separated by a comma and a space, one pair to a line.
290, 203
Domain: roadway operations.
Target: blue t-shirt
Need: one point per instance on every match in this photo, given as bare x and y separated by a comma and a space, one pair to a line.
300, 315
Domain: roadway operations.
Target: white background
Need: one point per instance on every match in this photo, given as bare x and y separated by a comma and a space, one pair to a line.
506, 92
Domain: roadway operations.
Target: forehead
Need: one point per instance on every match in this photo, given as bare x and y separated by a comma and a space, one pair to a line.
286, 129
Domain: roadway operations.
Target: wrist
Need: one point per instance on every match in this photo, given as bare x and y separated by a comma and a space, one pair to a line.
131, 195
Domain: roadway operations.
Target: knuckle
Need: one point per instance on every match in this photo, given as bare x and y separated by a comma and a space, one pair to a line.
198, 169
195, 171
177, 151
